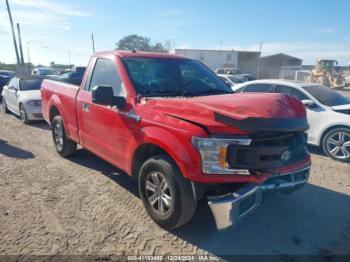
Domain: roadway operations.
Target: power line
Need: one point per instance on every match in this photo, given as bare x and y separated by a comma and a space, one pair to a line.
58, 49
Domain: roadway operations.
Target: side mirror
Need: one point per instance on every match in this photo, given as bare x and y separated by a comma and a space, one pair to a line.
309, 103
103, 95
12, 88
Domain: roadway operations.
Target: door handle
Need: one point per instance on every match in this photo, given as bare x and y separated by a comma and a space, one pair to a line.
85, 107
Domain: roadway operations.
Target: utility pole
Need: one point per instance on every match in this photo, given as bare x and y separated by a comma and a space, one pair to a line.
13, 33
93, 42
28, 57
20, 47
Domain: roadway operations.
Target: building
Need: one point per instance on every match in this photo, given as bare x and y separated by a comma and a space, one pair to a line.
246, 61
279, 66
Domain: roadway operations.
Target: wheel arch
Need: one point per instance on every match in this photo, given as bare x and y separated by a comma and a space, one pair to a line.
53, 112
328, 129
144, 152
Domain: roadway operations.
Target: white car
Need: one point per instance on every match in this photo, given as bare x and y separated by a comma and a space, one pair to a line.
231, 80
328, 112
22, 97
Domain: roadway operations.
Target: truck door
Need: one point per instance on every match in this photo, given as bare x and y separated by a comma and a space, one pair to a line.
102, 129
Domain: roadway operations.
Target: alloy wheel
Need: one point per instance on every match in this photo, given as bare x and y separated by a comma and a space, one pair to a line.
58, 136
158, 193
23, 114
338, 145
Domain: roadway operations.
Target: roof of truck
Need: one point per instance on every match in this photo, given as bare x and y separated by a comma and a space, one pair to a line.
123, 53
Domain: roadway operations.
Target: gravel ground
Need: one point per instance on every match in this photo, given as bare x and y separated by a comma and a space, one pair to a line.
82, 205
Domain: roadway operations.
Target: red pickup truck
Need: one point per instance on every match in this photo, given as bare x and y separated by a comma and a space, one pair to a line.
171, 123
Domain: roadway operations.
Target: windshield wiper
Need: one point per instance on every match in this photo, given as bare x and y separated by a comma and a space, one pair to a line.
163, 93
205, 92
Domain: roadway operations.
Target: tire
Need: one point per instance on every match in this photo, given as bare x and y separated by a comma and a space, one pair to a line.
336, 144
64, 146
4, 106
23, 114
181, 205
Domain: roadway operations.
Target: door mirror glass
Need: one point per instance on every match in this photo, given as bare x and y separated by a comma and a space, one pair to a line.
309, 103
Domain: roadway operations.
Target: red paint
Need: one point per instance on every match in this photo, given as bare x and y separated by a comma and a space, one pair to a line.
114, 137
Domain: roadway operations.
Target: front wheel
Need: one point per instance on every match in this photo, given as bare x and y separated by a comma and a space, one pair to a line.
336, 144
4, 106
23, 114
64, 146
165, 193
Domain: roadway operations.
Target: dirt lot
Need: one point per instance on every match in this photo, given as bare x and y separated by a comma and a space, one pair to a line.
82, 205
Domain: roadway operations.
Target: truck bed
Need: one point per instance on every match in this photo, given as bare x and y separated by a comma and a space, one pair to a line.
60, 93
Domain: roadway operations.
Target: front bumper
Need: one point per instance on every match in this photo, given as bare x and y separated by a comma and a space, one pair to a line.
34, 113
230, 208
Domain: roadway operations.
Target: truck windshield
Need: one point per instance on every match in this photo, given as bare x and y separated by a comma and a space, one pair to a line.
173, 77
30, 84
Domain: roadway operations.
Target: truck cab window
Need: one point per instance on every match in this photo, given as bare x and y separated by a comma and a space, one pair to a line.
105, 73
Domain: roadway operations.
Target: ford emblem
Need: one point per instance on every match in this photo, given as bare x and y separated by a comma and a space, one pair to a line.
286, 155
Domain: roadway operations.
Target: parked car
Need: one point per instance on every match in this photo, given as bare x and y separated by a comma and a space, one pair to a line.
247, 77
7, 73
231, 80
74, 77
169, 122
44, 71
328, 112
228, 71
5, 76
22, 97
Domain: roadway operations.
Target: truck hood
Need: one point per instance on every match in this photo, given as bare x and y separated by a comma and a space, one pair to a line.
251, 112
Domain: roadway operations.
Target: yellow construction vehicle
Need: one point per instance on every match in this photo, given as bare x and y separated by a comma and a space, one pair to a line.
324, 74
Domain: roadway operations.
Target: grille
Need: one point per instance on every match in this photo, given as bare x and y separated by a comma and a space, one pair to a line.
266, 150
38, 115
276, 139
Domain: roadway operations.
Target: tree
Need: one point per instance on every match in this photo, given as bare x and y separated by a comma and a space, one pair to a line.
139, 43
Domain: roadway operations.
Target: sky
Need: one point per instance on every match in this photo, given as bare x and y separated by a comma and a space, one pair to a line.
60, 30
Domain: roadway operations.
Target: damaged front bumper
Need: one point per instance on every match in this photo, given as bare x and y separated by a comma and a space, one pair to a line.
230, 208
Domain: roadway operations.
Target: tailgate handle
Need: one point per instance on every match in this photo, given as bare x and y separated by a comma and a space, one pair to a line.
85, 107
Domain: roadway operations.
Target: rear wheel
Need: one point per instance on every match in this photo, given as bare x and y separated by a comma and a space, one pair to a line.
165, 193
4, 106
64, 146
336, 144
23, 114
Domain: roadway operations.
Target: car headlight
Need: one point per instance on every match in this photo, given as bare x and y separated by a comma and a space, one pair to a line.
213, 153
34, 103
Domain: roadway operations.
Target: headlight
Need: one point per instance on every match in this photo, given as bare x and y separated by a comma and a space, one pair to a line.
34, 103
213, 152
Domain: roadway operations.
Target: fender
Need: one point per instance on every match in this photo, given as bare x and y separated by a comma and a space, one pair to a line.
184, 157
